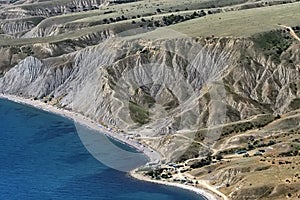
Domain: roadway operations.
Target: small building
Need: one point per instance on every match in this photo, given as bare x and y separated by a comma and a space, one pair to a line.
258, 153
241, 151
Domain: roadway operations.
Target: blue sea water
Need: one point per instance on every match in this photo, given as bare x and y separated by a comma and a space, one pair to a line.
42, 157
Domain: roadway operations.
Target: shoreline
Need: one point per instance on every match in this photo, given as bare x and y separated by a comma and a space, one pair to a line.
151, 154
205, 193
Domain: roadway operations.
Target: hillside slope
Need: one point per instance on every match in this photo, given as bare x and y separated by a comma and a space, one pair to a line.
226, 108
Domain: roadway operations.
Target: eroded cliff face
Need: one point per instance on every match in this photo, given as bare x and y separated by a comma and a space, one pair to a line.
274, 85
50, 9
105, 65
11, 28
161, 87
21, 20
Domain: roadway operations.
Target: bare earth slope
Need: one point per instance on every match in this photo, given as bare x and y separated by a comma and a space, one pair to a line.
225, 109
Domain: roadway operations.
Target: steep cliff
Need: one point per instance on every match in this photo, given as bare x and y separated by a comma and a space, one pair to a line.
163, 87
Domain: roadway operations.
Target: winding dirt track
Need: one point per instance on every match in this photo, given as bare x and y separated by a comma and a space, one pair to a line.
291, 31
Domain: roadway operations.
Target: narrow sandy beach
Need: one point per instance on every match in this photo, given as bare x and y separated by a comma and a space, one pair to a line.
206, 193
153, 155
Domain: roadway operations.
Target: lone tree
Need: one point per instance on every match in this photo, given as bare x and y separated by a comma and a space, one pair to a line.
219, 156
105, 21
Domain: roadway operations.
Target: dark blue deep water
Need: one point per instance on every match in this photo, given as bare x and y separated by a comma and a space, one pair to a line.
42, 157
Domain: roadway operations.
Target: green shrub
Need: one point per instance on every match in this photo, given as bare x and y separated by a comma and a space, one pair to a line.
272, 43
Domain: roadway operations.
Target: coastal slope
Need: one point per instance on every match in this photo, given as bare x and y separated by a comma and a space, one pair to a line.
220, 107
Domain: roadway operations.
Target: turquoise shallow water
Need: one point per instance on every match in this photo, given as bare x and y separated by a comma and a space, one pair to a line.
42, 157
